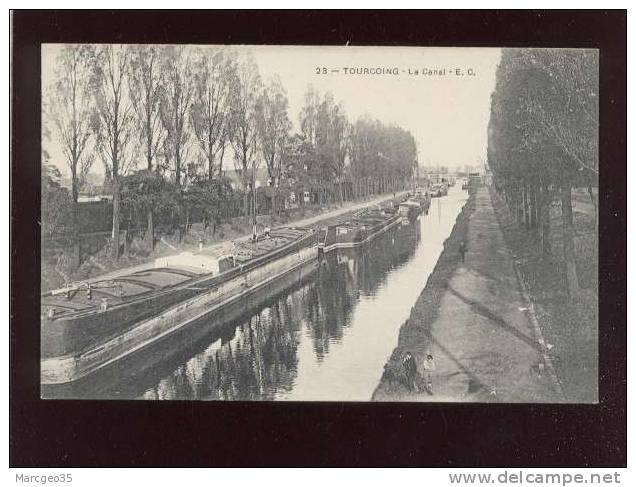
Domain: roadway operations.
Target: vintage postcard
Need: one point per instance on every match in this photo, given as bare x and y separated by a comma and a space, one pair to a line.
319, 223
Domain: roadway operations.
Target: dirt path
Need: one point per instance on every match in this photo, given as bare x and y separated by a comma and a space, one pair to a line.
305, 222
347, 208
473, 319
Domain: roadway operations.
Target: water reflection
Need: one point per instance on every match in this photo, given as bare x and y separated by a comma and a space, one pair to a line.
326, 337
260, 360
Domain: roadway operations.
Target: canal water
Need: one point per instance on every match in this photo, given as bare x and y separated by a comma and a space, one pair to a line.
325, 338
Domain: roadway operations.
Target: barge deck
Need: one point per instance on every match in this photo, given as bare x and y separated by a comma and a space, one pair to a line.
89, 325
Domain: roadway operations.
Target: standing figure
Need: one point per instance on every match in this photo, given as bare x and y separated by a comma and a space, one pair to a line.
429, 367
410, 370
462, 250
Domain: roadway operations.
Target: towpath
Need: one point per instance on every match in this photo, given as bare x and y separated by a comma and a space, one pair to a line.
306, 222
473, 318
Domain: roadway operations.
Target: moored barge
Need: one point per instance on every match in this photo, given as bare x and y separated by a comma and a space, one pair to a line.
91, 324
410, 208
423, 197
362, 228
417, 203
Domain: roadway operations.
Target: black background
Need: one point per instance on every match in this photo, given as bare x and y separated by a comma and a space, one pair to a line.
128, 433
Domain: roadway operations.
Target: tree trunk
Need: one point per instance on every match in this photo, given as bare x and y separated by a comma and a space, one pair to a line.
545, 237
526, 207
126, 248
75, 258
150, 232
533, 206
591, 194
274, 202
543, 218
523, 206
221, 160
75, 195
177, 169
150, 229
539, 217
568, 241
116, 217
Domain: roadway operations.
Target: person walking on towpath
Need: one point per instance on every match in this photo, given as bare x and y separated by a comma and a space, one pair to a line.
462, 250
410, 370
429, 367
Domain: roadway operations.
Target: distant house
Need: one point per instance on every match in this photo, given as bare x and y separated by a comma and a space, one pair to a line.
236, 178
87, 198
92, 185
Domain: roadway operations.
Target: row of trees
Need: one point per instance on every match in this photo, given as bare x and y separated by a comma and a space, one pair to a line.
363, 158
543, 138
163, 119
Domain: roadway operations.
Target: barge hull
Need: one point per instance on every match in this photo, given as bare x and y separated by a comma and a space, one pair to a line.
349, 245
70, 368
79, 332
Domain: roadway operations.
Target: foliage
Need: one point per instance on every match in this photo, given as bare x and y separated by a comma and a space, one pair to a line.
214, 77
145, 191
381, 151
146, 88
114, 126
325, 127
243, 119
55, 219
544, 117
207, 197
70, 109
543, 137
173, 110
175, 106
304, 166
273, 126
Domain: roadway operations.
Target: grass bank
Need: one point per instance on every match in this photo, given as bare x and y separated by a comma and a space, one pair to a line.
415, 333
570, 327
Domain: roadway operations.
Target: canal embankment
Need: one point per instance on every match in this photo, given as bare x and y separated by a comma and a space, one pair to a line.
102, 267
473, 318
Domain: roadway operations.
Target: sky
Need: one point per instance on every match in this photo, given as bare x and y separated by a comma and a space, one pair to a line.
446, 111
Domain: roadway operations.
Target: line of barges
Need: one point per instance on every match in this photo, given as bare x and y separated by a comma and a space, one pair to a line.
88, 325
